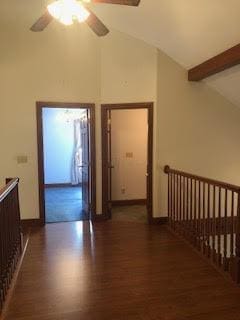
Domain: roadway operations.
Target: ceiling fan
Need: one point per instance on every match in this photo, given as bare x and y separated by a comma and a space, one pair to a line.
66, 11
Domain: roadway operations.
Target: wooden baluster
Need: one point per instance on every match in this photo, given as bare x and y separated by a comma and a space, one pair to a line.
184, 206
219, 228
236, 274
232, 229
208, 221
225, 260
174, 212
214, 225
10, 236
195, 212
191, 212
195, 207
199, 216
187, 209
169, 198
204, 221
181, 221
177, 202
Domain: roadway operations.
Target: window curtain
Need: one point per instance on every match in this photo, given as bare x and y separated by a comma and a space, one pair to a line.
77, 154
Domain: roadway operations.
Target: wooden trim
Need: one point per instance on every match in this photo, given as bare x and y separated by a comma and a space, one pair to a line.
11, 184
127, 106
202, 210
159, 220
93, 209
29, 223
134, 202
100, 218
66, 105
14, 281
219, 63
61, 185
216, 183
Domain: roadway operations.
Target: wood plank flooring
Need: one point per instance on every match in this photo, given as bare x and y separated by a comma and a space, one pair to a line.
118, 271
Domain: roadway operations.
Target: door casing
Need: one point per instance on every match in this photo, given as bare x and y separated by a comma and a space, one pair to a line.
65, 105
105, 108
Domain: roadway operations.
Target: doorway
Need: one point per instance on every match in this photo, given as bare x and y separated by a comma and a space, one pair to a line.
66, 161
127, 155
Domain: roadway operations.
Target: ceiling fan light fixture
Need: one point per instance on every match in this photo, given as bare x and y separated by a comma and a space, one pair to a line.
67, 10
81, 13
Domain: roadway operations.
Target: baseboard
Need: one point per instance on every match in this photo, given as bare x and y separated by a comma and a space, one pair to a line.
99, 218
134, 202
60, 185
159, 220
30, 223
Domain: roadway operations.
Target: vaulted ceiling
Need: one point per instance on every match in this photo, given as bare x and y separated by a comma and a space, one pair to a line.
189, 31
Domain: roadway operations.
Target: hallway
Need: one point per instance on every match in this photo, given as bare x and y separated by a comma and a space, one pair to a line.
118, 271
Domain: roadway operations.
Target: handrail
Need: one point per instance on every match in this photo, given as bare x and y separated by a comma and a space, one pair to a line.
10, 235
8, 188
213, 182
207, 213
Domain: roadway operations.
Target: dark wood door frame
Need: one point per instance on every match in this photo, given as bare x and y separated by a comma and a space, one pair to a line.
67, 105
127, 106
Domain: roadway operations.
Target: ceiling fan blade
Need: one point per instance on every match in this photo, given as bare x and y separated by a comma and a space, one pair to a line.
121, 2
42, 22
96, 25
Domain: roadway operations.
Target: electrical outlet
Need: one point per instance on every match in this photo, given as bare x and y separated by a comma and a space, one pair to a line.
123, 191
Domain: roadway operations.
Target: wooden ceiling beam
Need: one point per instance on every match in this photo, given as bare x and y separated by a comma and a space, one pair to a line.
221, 62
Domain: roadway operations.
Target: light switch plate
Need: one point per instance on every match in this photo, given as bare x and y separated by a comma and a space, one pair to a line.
129, 154
22, 159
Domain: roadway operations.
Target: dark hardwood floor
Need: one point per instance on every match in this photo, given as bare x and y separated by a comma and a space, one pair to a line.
118, 270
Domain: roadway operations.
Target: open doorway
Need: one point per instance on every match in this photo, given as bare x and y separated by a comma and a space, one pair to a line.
127, 136
66, 160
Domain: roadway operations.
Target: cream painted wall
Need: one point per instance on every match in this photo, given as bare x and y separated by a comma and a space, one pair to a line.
198, 130
195, 129
129, 74
129, 134
49, 66
54, 66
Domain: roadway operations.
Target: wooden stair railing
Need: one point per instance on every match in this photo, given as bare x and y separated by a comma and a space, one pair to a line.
10, 235
207, 213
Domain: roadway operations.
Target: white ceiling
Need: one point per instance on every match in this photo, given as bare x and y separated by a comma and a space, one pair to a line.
189, 31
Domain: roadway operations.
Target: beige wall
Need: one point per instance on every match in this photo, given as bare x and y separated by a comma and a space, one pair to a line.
63, 64
129, 134
129, 74
49, 66
198, 130
195, 129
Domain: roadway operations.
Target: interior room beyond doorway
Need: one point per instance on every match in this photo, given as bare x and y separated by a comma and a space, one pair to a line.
129, 157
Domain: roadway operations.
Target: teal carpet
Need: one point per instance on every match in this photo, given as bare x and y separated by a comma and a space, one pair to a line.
64, 204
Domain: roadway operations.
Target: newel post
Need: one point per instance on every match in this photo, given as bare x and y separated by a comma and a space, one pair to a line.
236, 274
